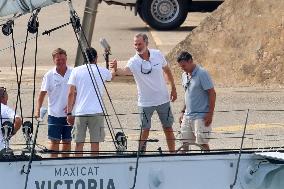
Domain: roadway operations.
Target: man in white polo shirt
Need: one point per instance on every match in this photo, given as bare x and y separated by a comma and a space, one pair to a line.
84, 103
7, 114
148, 67
54, 84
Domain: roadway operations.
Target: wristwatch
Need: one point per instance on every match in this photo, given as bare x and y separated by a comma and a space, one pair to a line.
69, 114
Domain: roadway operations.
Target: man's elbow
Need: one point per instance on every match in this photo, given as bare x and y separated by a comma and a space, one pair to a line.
212, 93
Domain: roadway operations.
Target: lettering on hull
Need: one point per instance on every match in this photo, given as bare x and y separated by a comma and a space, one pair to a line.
76, 184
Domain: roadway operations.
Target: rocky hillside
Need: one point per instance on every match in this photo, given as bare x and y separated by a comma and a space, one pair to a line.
240, 44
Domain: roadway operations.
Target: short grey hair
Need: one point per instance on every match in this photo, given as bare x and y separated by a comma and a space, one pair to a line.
144, 37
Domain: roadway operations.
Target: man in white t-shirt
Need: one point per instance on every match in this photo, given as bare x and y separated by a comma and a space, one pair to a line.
148, 67
7, 114
85, 102
54, 84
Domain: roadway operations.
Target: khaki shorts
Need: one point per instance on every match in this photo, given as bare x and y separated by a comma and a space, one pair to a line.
95, 125
195, 131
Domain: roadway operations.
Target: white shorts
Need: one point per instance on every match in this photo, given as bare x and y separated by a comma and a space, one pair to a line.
195, 131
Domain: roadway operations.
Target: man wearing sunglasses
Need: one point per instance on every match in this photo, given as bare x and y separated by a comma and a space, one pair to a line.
7, 114
149, 67
200, 96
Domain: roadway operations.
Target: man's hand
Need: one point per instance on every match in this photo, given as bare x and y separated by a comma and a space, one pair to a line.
70, 120
37, 112
65, 109
208, 119
173, 94
113, 65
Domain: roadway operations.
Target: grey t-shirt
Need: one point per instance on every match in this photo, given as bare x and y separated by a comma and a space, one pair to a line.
196, 95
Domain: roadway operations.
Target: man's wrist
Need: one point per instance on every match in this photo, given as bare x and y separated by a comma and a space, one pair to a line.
69, 114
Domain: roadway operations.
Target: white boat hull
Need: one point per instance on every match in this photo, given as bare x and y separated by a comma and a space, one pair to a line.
215, 171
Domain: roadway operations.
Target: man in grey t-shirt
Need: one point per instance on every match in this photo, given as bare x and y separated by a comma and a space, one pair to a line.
200, 97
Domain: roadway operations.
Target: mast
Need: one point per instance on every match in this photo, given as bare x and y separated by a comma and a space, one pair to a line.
88, 26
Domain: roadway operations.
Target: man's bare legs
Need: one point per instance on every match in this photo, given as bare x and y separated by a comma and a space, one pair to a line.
170, 137
79, 149
54, 146
66, 146
95, 147
144, 137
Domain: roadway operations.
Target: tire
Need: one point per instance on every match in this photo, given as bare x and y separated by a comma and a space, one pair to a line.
140, 13
164, 14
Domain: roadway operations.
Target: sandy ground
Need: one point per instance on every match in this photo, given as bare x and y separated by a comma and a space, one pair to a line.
265, 128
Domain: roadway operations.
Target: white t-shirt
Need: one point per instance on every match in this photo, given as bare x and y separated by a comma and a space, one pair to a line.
152, 87
57, 91
7, 115
87, 101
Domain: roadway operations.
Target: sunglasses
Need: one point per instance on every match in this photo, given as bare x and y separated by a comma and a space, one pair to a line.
144, 69
188, 80
2, 91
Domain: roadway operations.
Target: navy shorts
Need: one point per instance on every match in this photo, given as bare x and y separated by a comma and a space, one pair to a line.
58, 128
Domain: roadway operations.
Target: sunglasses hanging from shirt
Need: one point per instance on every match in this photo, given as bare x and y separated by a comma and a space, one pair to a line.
146, 67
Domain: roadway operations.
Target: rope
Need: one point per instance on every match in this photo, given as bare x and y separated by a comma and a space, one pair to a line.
78, 29
19, 99
34, 78
120, 125
92, 79
240, 152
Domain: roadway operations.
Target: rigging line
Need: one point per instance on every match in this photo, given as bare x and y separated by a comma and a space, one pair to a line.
77, 28
34, 16
93, 75
81, 48
34, 77
19, 99
137, 159
47, 32
240, 152
16, 44
118, 120
17, 74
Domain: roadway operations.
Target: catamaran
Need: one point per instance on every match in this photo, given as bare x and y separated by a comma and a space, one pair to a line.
121, 169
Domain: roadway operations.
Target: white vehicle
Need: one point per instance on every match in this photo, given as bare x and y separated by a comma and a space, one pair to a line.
166, 14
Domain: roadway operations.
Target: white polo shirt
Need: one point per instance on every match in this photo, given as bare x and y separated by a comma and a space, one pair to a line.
152, 87
57, 91
7, 115
87, 101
